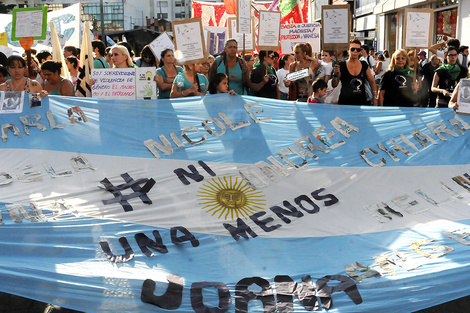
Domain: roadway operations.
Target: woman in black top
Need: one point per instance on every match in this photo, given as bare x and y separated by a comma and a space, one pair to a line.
353, 75
397, 87
447, 77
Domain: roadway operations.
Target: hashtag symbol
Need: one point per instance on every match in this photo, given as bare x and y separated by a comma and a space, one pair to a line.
135, 185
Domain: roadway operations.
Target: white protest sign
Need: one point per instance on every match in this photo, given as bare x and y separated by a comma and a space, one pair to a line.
336, 27
269, 30
463, 98
232, 33
189, 40
292, 34
161, 43
418, 28
244, 17
114, 83
145, 86
297, 74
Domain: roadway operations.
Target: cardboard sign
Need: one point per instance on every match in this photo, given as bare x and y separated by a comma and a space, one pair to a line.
161, 43
292, 34
249, 39
145, 86
29, 22
463, 98
418, 29
189, 41
297, 74
114, 83
269, 30
336, 27
244, 17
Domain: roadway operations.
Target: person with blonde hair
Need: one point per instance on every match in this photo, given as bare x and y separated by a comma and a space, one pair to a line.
301, 89
121, 57
397, 87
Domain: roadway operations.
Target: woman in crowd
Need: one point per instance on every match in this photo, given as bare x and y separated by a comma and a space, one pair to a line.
166, 73
397, 87
380, 69
219, 84
284, 64
56, 84
189, 83
447, 77
301, 89
16, 67
250, 62
235, 68
72, 66
204, 68
120, 57
107, 57
353, 75
147, 59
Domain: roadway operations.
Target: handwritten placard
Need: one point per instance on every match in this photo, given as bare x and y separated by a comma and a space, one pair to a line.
161, 43
114, 83
249, 43
418, 28
336, 27
463, 98
297, 74
145, 86
292, 34
189, 40
244, 17
269, 30
29, 22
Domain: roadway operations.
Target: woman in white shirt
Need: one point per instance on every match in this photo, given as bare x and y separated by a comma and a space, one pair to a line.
284, 64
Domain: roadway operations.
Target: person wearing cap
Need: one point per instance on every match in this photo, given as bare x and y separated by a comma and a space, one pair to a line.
422, 59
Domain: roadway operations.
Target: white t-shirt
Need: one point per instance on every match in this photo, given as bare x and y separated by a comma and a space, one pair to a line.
281, 76
327, 67
370, 62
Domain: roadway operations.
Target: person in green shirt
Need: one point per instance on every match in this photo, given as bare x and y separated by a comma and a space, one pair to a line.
100, 50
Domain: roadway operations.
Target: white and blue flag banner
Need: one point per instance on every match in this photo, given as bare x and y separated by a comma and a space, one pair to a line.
233, 204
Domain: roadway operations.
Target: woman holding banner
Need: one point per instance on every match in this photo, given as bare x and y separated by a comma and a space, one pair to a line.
166, 73
397, 87
301, 89
16, 67
190, 83
235, 68
354, 75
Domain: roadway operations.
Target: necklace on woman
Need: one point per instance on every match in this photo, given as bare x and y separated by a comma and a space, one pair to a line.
21, 84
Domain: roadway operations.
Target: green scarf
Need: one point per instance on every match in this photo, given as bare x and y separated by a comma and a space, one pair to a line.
406, 71
453, 70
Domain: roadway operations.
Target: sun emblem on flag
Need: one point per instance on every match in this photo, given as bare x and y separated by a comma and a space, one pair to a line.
230, 198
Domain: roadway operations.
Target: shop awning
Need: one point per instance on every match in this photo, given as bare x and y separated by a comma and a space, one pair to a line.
390, 5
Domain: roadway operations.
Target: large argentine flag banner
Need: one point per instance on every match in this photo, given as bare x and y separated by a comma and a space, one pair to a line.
234, 204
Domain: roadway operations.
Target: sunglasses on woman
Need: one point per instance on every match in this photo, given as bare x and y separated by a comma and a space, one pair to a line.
355, 49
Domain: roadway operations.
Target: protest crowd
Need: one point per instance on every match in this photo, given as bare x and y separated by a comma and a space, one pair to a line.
357, 76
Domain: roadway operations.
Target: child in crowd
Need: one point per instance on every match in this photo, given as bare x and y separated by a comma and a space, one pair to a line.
219, 84
319, 90
327, 64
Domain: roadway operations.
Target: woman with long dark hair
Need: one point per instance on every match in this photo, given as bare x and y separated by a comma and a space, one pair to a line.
166, 73
16, 67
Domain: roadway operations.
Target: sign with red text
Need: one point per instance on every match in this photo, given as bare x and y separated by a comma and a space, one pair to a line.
292, 34
114, 83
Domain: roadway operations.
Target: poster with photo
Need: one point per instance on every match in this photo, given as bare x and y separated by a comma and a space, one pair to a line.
189, 41
11, 102
418, 28
269, 30
463, 98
